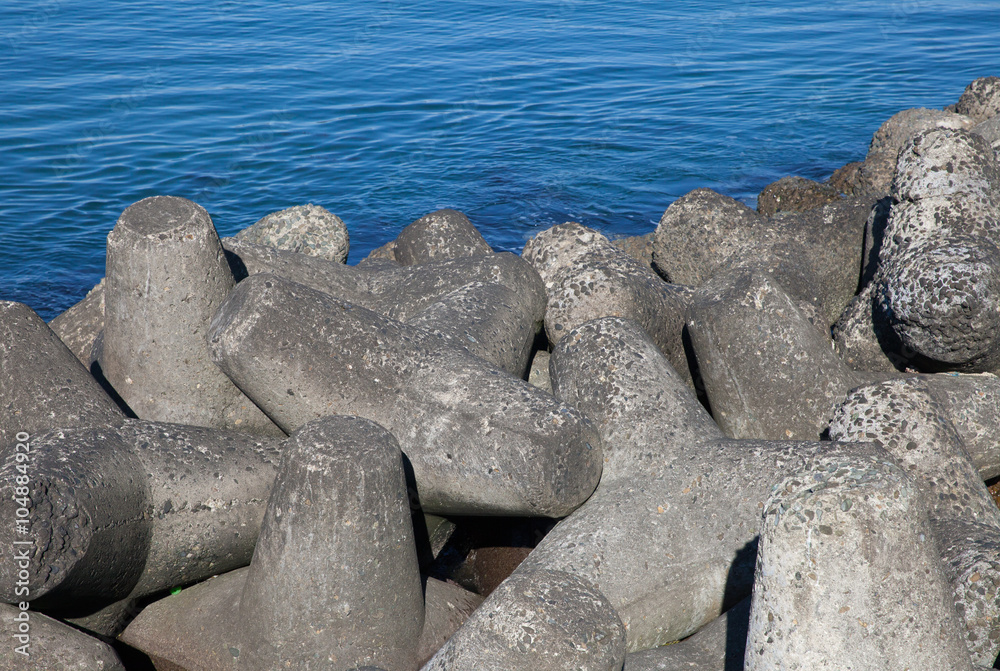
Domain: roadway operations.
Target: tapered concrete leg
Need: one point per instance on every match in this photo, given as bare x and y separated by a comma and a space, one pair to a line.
543, 620
848, 576
301, 354
334, 576
42, 384
166, 276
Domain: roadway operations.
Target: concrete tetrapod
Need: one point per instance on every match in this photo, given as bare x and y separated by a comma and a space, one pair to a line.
122, 513
541, 620
694, 502
166, 276
718, 646
586, 277
334, 576
444, 234
50, 644
42, 384
848, 575
768, 371
197, 628
905, 417
479, 440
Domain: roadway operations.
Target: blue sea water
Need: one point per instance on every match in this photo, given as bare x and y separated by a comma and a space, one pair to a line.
522, 114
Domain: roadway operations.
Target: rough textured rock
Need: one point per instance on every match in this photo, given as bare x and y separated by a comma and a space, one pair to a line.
447, 607
842, 545
302, 354
334, 574
166, 276
79, 325
42, 384
586, 277
438, 236
702, 232
794, 194
905, 418
307, 229
50, 644
718, 646
768, 371
989, 130
981, 99
858, 339
880, 163
542, 620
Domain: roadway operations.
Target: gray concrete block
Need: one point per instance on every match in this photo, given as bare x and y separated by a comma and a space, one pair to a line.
446, 608
538, 376
880, 163
614, 374
972, 404
488, 320
905, 418
848, 574
164, 505
768, 371
166, 276
718, 646
586, 277
981, 99
88, 525
703, 232
51, 645
43, 386
302, 354
542, 620
334, 574
794, 194
307, 229
444, 234
79, 325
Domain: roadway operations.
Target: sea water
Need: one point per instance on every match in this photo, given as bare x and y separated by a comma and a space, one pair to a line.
522, 114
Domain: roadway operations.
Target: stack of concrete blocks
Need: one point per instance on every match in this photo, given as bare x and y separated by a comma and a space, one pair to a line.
716, 474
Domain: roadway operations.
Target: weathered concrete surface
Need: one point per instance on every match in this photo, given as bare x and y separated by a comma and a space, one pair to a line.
905, 417
768, 371
639, 247
302, 354
166, 277
694, 502
718, 646
88, 524
165, 505
794, 194
307, 229
42, 384
334, 574
542, 620
79, 325
490, 321
614, 374
939, 265
880, 163
703, 232
586, 277
848, 574
981, 99
444, 234
51, 645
